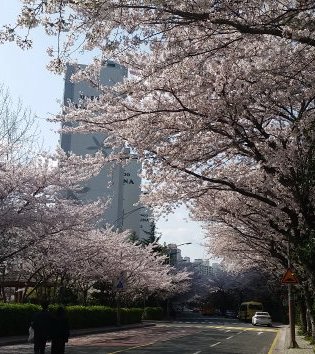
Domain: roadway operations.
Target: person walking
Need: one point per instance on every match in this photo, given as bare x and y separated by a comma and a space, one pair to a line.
41, 324
60, 331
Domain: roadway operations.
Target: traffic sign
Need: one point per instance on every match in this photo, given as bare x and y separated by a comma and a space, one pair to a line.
120, 283
289, 277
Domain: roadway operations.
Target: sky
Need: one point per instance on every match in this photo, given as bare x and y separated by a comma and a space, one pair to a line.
25, 74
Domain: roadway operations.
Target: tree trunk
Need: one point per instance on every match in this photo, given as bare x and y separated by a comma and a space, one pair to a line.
312, 319
24, 294
309, 306
4, 297
85, 295
308, 323
303, 316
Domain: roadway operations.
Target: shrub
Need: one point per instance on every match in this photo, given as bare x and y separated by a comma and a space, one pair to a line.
90, 316
153, 313
16, 318
133, 315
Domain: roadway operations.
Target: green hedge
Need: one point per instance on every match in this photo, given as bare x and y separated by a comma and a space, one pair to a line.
153, 313
133, 315
15, 318
90, 316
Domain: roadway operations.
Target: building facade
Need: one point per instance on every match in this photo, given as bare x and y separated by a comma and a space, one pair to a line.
203, 267
119, 184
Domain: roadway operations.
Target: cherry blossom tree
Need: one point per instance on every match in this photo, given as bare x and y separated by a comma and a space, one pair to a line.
220, 102
79, 261
33, 190
34, 203
49, 239
254, 238
200, 284
34, 193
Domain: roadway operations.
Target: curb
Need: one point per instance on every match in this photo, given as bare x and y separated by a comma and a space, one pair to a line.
280, 344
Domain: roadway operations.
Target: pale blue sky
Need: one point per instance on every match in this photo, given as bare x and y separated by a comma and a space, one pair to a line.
24, 73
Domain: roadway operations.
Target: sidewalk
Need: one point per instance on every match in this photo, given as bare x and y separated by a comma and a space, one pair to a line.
12, 340
282, 345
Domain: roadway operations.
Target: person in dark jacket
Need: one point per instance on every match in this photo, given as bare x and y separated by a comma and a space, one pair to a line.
60, 331
41, 324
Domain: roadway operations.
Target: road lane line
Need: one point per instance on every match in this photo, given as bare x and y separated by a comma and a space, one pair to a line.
197, 352
222, 328
274, 343
228, 331
259, 333
230, 337
213, 345
130, 348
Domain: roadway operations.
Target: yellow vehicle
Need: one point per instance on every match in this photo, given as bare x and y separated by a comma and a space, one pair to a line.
247, 310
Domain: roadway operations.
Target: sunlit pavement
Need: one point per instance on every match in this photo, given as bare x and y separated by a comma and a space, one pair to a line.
108, 342
175, 337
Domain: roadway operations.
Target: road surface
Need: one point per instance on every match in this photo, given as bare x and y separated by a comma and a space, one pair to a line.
185, 336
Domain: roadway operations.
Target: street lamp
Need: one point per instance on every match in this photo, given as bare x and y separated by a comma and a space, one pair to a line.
186, 243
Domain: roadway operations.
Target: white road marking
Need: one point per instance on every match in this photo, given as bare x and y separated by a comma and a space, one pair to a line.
230, 337
228, 330
259, 333
197, 352
213, 345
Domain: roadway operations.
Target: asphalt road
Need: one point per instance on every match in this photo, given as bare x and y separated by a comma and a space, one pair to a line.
185, 336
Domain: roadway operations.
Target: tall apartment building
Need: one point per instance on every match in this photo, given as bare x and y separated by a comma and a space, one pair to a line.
203, 266
119, 183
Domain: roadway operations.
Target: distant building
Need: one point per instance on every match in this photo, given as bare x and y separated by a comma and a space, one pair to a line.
217, 267
198, 261
203, 267
174, 254
119, 183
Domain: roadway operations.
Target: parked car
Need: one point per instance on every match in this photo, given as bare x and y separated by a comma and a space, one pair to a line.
261, 318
